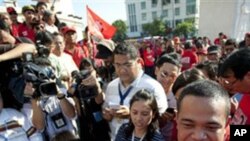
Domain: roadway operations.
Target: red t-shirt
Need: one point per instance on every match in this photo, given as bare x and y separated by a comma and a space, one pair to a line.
188, 59
78, 54
242, 114
25, 31
149, 58
14, 29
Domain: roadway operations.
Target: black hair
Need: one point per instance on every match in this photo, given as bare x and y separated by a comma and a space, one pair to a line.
187, 77
44, 38
127, 49
40, 3
206, 89
172, 58
210, 67
238, 62
231, 42
188, 45
147, 96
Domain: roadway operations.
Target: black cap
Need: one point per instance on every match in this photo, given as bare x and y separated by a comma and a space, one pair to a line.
213, 49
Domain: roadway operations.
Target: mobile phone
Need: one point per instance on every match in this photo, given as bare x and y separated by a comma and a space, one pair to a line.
114, 106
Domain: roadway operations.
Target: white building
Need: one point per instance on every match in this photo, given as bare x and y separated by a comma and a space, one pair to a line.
140, 12
231, 17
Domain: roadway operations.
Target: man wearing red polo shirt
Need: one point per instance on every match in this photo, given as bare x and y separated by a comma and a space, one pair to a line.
71, 47
26, 29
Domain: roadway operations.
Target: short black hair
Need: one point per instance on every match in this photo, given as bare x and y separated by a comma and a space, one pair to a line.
40, 3
238, 62
206, 89
172, 58
127, 49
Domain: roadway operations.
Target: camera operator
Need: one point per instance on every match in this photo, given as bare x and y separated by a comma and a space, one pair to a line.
11, 50
54, 111
89, 97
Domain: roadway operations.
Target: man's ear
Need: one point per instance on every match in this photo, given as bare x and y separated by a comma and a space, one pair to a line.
156, 70
247, 77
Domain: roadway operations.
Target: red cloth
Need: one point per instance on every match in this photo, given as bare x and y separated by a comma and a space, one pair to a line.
78, 54
242, 114
98, 27
25, 31
14, 29
188, 59
148, 57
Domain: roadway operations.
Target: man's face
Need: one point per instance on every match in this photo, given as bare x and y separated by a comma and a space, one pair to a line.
206, 120
234, 85
167, 74
228, 49
29, 16
213, 56
59, 42
126, 69
70, 37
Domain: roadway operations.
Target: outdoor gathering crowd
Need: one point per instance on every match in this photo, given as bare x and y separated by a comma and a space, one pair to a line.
56, 88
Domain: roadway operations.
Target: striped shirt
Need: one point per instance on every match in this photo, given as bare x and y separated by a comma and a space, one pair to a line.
122, 137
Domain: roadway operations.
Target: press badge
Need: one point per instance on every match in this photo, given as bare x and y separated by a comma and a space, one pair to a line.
97, 116
58, 120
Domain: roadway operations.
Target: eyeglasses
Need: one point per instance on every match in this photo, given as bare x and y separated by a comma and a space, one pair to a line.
124, 65
228, 83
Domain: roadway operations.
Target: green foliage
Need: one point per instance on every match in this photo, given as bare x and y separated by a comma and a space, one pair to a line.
185, 29
121, 30
156, 28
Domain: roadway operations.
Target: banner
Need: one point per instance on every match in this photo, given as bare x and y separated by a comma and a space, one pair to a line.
98, 27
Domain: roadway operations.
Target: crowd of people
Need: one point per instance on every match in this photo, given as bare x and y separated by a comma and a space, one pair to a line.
55, 88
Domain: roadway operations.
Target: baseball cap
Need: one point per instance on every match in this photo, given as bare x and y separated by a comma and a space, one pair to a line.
28, 8
213, 49
11, 10
67, 29
105, 49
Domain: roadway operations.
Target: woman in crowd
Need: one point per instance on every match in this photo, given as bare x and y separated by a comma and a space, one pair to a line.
143, 124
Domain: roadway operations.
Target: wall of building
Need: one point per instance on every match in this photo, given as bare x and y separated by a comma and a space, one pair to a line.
216, 16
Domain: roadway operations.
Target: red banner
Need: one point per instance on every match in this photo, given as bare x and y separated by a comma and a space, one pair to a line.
98, 27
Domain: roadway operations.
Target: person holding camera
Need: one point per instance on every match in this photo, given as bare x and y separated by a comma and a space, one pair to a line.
89, 97
54, 111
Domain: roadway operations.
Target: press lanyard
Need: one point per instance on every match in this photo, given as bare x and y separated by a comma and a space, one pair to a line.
123, 96
133, 137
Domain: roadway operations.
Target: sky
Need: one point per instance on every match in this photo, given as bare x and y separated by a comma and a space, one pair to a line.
109, 10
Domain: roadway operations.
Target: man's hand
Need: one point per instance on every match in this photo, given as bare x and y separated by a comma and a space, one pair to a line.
123, 112
29, 90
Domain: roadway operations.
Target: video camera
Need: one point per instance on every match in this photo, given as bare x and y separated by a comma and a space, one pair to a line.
85, 92
40, 77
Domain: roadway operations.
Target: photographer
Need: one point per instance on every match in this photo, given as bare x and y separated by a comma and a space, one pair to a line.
89, 97
54, 111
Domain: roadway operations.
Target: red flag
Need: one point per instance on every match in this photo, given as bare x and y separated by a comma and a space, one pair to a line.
98, 27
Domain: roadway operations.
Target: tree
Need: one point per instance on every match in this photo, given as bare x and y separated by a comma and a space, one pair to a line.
185, 29
156, 28
121, 30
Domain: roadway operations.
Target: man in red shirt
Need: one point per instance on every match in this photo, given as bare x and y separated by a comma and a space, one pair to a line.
26, 29
189, 57
15, 24
71, 47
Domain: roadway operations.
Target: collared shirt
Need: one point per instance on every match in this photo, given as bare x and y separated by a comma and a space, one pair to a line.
143, 81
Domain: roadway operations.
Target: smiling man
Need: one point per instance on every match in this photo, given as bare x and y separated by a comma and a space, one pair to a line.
203, 112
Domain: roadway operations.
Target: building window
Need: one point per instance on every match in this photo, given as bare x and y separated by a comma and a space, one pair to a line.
177, 11
166, 2
191, 1
177, 1
154, 15
165, 13
190, 9
132, 18
154, 3
143, 5
144, 16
